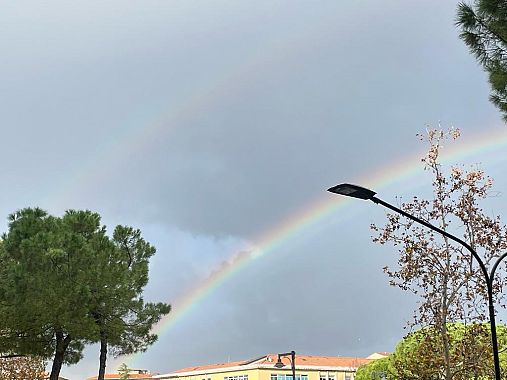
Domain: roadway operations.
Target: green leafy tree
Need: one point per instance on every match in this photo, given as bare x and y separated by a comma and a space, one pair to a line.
380, 369
123, 319
449, 284
44, 285
419, 355
484, 30
124, 372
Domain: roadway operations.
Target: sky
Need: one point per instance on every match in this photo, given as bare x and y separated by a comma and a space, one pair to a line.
215, 127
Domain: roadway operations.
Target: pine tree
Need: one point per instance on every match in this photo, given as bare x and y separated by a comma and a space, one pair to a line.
44, 285
123, 319
483, 27
65, 283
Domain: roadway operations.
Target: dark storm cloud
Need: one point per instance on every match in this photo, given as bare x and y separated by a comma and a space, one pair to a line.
334, 101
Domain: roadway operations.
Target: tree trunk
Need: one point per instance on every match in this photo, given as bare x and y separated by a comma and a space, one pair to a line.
445, 343
444, 333
62, 342
445, 281
103, 355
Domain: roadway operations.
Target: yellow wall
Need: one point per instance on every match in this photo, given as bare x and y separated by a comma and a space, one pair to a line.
312, 374
265, 374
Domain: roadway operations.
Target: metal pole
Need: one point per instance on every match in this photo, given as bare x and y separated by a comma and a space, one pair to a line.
487, 277
293, 356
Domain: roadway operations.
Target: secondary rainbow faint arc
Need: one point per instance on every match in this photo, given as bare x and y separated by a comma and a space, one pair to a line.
318, 210
193, 103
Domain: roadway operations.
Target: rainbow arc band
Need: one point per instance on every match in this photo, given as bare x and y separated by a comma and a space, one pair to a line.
312, 213
359, 192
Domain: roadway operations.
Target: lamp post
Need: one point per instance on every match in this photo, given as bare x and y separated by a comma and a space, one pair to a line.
359, 192
292, 356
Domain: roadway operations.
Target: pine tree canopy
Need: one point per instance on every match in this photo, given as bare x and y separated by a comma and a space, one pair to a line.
483, 27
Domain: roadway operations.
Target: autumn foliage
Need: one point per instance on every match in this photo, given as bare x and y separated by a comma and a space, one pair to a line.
449, 284
21, 368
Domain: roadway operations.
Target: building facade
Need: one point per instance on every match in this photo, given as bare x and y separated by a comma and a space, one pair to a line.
263, 368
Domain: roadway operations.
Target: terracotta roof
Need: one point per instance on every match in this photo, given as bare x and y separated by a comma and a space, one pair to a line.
210, 366
319, 361
269, 360
139, 376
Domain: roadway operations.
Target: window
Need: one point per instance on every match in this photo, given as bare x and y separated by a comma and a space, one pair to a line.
348, 376
238, 377
275, 376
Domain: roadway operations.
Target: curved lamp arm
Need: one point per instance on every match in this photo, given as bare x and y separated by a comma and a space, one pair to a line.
292, 356
493, 270
359, 192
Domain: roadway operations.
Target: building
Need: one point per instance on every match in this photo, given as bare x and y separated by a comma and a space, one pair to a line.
379, 355
263, 368
134, 374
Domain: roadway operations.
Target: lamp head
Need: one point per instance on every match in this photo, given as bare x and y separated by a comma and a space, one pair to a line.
353, 191
279, 363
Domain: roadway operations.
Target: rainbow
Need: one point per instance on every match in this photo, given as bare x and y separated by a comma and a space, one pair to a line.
318, 210
192, 103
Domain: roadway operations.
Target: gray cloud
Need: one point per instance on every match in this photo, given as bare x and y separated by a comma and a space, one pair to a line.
208, 124
280, 130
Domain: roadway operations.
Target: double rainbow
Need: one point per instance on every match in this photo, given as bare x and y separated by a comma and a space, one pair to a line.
489, 142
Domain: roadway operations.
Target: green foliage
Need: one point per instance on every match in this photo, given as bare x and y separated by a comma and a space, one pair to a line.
379, 369
65, 283
450, 285
484, 30
44, 287
124, 371
122, 317
419, 355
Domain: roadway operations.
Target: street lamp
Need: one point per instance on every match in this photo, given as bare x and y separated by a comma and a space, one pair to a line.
292, 356
359, 192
